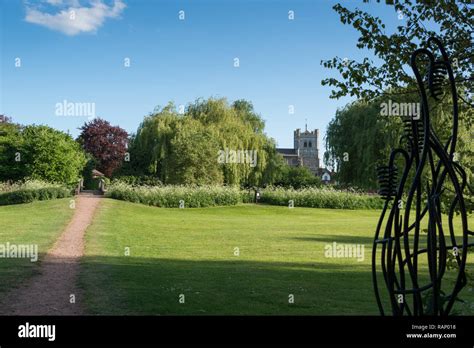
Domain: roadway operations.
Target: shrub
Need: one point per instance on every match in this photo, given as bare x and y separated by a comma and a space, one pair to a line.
89, 182
18, 197
320, 198
208, 196
138, 180
170, 196
248, 196
298, 177
30, 191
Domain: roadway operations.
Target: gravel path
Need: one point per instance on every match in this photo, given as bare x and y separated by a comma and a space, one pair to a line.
49, 293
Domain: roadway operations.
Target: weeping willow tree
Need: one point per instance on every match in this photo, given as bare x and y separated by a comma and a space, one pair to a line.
183, 148
390, 77
359, 137
150, 147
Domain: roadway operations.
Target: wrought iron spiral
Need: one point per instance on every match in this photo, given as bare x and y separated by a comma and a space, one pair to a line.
436, 78
387, 178
414, 133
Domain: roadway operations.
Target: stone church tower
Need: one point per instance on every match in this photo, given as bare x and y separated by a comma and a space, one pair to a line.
305, 150
306, 145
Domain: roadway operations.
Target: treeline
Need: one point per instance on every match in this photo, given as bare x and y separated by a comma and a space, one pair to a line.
211, 142
183, 148
360, 137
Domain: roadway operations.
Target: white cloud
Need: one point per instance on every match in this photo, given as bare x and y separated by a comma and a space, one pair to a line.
72, 18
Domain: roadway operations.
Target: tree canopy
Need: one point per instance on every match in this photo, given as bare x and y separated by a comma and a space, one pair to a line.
359, 131
451, 21
358, 139
106, 143
184, 148
39, 152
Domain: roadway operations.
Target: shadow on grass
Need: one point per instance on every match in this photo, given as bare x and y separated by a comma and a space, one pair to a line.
14, 271
344, 239
151, 286
326, 238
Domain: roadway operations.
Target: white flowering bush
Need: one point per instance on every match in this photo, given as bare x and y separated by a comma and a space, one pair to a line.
176, 196
208, 196
320, 198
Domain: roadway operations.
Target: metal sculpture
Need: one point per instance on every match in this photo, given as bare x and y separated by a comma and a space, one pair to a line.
415, 247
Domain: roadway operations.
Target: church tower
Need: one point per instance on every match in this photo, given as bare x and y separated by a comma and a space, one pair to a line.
306, 144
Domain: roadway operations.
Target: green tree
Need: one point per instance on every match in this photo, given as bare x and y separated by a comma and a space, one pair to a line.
452, 21
357, 130
167, 141
150, 147
193, 158
276, 166
11, 168
39, 152
237, 127
359, 138
51, 155
298, 177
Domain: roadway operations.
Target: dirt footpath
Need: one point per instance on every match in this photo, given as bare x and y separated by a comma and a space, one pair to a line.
49, 293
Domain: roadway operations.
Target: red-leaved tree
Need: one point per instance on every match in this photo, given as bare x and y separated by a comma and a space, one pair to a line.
106, 143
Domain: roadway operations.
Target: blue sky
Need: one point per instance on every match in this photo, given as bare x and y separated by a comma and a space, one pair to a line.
172, 59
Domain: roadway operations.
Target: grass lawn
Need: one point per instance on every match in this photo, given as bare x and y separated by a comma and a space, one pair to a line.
192, 252
38, 223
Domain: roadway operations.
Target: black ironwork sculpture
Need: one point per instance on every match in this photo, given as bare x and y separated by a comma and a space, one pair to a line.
411, 226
